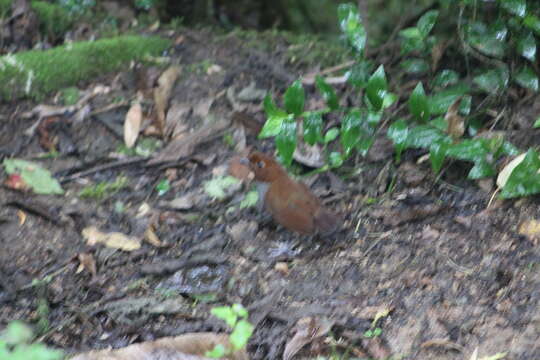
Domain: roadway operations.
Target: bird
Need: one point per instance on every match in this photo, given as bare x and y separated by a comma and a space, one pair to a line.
291, 203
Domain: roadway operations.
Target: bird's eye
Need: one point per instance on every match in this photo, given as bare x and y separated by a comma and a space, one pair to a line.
260, 164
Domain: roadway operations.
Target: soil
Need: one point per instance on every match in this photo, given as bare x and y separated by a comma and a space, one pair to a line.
449, 266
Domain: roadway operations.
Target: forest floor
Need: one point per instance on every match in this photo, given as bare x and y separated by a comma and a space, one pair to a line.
445, 274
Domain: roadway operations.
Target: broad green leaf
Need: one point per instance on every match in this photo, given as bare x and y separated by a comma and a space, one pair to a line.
373, 118
524, 179
35, 176
415, 66
286, 141
331, 135
490, 41
327, 92
527, 78
241, 334
335, 159
437, 154
481, 169
226, 314
389, 99
439, 123
411, 33
359, 73
412, 40
364, 145
418, 103
515, 7
398, 133
533, 23
423, 136
294, 98
526, 46
445, 77
441, 101
240, 310
350, 130
537, 123
470, 149
377, 88
217, 187
275, 116
351, 25
492, 81
426, 22
313, 126
250, 200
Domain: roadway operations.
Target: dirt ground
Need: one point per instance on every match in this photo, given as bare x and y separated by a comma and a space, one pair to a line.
453, 274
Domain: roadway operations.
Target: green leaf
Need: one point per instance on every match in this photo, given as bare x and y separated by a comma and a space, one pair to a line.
286, 141
313, 126
415, 66
492, 81
350, 130
424, 136
359, 73
398, 133
527, 78
441, 101
488, 40
351, 25
33, 175
418, 103
163, 187
241, 334
411, 33
335, 159
476, 150
377, 88
327, 92
412, 40
275, 116
294, 98
250, 199
240, 310
426, 22
216, 187
389, 99
515, 7
445, 77
437, 154
526, 47
533, 23
537, 123
217, 352
364, 145
331, 135
524, 179
226, 314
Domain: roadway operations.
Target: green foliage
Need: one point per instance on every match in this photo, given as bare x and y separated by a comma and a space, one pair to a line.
77, 7
104, 189
54, 20
36, 73
36, 177
236, 317
15, 344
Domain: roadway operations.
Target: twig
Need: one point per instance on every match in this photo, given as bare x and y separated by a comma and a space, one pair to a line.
108, 166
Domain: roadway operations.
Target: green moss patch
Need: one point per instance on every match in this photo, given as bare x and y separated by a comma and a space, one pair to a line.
36, 73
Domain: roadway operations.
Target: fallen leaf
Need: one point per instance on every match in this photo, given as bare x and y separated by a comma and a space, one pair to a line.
456, 123
530, 229
307, 329
311, 156
505, 173
162, 94
132, 124
114, 240
191, 346
88, 263
151, 237
33, 175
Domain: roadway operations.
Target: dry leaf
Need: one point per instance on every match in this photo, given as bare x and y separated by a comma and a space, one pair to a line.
115, 240
456, 123
190, 346
307, 330
162, 94
151, 237
132, 124
88, 263
530, 229
505, 173
311, 156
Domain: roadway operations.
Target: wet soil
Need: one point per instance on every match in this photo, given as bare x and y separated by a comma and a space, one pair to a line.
453, 272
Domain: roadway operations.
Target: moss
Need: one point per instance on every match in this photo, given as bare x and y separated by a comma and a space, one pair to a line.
54, 20
36, 73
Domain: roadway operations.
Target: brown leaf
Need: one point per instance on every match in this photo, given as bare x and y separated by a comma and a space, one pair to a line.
307, 330
115, 240
162, 93
88, 263
437, 53
456, 123
190, 346
132, 124
151, 237
530, 229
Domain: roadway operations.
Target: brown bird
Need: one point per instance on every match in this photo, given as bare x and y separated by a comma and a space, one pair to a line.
291, 203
